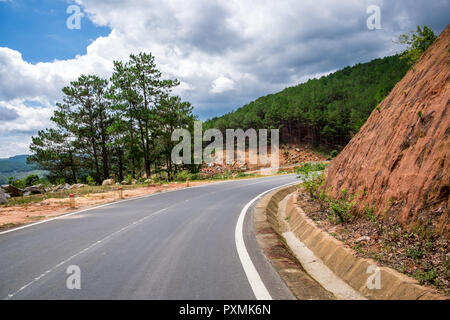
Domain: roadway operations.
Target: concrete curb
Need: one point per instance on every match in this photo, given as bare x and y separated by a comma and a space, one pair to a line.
342, 261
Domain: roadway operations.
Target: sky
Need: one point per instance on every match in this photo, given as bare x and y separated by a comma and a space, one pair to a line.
225, 53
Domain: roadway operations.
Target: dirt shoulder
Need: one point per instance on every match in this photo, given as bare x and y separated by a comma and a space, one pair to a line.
425, 257
51, 205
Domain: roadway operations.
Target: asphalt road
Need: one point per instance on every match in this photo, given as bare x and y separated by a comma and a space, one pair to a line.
171, 245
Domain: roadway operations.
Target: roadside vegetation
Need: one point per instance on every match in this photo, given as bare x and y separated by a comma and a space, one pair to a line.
416, 252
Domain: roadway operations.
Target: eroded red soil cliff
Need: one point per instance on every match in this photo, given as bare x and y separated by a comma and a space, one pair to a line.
398, 163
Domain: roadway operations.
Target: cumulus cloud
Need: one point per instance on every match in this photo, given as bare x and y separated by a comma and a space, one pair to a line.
25, 118
222, 84
225, 53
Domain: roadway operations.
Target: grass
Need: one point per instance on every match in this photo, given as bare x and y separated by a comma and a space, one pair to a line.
8, 225
414, 253
370, 214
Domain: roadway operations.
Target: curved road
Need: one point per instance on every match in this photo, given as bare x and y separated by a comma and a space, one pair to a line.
172, 245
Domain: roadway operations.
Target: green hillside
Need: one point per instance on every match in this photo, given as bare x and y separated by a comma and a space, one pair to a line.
16, 167
324, 112
16, 163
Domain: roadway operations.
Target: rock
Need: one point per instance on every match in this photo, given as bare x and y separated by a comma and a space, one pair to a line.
65, 186
3, 198
13, 191
297, 149
77, 185
124, 182
37, 189
108, 182
361, 239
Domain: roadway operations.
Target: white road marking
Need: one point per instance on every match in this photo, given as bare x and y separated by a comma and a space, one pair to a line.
259, 289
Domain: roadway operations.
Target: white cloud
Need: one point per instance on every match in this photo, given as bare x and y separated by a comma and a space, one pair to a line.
14, 144
28, 118
222, 84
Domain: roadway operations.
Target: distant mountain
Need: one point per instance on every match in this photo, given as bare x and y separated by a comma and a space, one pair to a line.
17, 167
16, 164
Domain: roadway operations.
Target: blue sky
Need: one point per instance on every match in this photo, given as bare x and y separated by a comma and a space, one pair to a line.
226, 53
36, 28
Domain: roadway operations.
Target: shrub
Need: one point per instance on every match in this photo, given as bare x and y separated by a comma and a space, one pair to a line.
90, 181
414, 253
334, 153
370, 214
31, 180
312, 183
183, 175
426, 276
308, 167
341, 207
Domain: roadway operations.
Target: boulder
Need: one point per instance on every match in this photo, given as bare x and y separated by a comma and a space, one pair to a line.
37, 189
65, 186
108, 182
3, 198
13, 191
